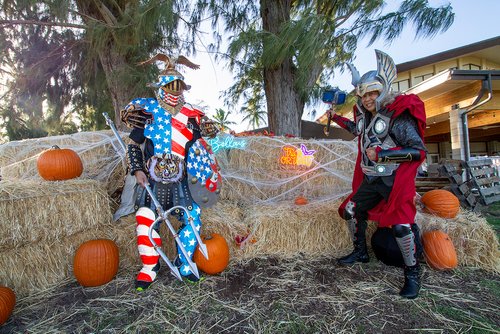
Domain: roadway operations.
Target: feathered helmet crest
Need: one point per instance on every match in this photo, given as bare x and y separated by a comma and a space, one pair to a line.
170, 74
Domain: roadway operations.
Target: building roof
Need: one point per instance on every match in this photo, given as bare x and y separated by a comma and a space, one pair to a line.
314, 130
493, 43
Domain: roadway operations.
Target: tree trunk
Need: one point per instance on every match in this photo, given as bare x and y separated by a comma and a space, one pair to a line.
113, 64
284, 105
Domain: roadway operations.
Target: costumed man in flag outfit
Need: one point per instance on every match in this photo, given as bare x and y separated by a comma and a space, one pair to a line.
169, 153
390, 130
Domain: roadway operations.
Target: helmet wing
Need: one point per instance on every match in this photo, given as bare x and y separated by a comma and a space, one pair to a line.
386, 71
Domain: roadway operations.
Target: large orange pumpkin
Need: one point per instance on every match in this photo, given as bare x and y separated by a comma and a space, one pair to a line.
218, 255
96, 262
441, 203
7, 302
56, 164
439, 250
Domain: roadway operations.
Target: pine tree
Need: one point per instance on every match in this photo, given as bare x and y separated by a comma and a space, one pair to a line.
282, 51
81, 53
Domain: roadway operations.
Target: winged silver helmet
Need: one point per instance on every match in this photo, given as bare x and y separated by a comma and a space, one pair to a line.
379, 80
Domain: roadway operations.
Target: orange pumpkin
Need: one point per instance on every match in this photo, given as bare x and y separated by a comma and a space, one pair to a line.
301, 200
7, 302
441, 203
96, 262
439, 250
218, 255
56, 164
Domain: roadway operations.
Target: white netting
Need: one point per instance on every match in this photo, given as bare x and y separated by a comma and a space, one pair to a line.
98, 151
256, 174
252, 174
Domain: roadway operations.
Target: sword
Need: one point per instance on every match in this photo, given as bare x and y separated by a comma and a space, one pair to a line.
173, 269
163, 216
111, 124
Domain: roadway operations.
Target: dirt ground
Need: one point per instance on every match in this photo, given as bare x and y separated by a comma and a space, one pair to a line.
270, 295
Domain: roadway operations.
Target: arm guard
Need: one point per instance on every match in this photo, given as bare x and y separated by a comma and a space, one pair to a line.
399, 155
135, 160
345, 123
208, 127
135, 116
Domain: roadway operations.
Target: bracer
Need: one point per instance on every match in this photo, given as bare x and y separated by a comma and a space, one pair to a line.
401, 155
135, 159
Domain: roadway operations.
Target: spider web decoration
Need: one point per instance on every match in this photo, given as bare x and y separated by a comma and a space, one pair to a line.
255, 175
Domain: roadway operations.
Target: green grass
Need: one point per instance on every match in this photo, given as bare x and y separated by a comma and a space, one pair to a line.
492, 286
478, 324
492, 214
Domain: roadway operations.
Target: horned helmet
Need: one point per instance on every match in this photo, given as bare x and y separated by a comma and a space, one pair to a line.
379, 80
170, 86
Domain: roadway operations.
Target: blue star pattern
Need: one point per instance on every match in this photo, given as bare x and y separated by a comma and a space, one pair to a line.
199, 164
159, 131
165, 79
188, 238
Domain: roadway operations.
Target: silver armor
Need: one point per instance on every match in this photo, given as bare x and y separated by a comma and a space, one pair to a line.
375, 134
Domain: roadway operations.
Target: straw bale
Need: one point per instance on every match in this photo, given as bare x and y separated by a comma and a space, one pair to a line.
475, 241
98, 151
255, 174
41, 264
285, 229
49, 211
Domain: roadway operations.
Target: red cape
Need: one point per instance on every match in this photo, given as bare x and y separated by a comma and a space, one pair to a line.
400, 207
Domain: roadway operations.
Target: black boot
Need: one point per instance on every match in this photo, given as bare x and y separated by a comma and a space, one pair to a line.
359, 254
412, 282
358, 234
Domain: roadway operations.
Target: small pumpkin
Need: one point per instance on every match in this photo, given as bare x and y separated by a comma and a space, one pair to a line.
218, 254
96, 262
7, 303
301, 200
439, 250
441, 203
56, 164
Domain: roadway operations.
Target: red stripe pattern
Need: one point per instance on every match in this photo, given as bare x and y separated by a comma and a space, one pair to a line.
149, 256
170, 134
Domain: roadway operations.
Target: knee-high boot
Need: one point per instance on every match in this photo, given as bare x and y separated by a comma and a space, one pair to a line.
406, 242
358, 234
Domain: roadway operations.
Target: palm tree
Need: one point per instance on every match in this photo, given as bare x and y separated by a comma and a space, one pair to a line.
221, 117
255, 117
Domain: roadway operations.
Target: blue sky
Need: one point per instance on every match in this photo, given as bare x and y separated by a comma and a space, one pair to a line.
474, 21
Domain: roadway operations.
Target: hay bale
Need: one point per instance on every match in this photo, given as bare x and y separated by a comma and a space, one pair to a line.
43, 211
285, 229
475, 241
40, 265
255, 174
98, 151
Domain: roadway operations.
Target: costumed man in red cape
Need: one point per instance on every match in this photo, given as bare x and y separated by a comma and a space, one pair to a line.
390, 130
